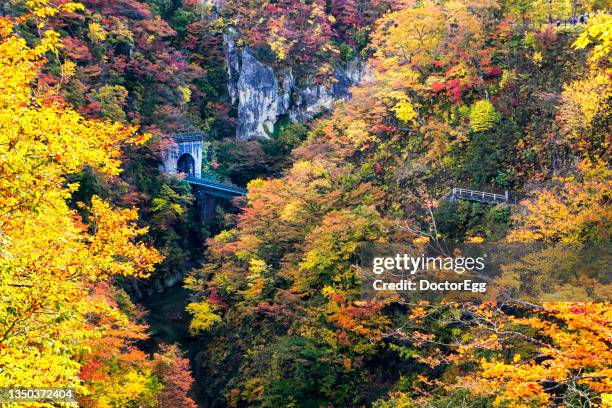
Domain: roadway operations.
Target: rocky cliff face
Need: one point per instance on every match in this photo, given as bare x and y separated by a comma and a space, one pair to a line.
263, 94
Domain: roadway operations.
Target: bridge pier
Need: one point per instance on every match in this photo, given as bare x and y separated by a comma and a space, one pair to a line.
206, 205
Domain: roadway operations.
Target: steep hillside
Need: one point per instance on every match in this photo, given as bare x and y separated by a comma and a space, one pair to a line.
462, 93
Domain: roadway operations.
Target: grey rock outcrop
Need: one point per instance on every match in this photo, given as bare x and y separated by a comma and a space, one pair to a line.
262, 94
312, 100
232, 62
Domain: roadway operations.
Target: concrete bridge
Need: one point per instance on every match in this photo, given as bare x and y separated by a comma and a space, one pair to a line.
185, 156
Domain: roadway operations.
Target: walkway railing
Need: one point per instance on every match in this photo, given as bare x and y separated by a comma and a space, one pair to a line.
480, 196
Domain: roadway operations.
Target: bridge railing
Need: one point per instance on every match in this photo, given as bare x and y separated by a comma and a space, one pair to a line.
211, 183
479, 195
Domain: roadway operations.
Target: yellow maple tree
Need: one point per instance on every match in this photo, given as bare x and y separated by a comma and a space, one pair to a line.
576, 210
49, 258
555, 357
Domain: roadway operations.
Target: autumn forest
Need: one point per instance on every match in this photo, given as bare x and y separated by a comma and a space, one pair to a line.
323, 129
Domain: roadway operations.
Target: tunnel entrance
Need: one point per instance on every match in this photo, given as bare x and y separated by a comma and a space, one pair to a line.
186, 164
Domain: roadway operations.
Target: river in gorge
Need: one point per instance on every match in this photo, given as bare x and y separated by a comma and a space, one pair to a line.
169, 323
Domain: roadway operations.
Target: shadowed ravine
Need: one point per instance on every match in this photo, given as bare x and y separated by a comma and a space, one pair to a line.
169, 323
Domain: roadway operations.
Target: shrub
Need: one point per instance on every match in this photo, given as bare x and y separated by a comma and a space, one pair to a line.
483, 116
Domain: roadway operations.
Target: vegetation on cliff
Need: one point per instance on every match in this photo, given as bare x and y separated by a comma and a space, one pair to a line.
475, 93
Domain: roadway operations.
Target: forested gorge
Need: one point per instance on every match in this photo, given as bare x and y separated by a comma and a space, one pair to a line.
499, 95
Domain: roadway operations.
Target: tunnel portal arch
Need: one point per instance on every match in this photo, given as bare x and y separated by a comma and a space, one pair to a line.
186, 164
184, 154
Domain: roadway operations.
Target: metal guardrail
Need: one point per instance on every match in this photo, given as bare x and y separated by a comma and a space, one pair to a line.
215, 185
481, 196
